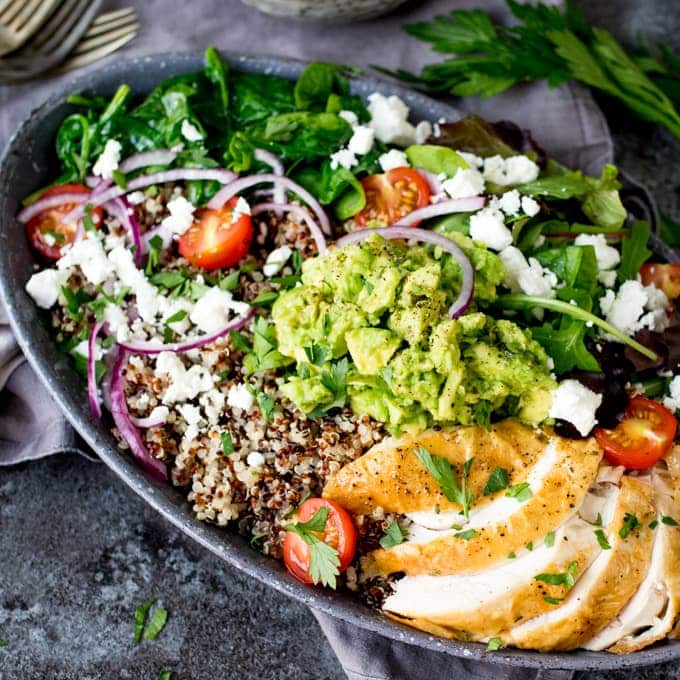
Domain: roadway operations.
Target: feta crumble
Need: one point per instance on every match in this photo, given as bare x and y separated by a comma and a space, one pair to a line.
239, 396
276, 260
190, 413
345, 158
241, 208
393, 159
510, 202
190, 132
89, 255
108, 160
575, 403
213, 310
44, 287
672, 401
255, 459
507, 171
389, 120
350, 117
471, 159
607, 257
464, 184
183, 385
488, 226
530, 206
634, 307
362, 140
527, 277
136, 197
181, 215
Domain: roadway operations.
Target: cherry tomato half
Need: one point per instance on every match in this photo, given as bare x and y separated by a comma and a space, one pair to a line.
663, 276
47, 231
340, 533
393, 195
215, 240
642, 437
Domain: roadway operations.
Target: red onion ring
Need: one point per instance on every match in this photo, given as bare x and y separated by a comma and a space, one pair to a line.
92, 395
121, 418
144, 159
301, 214
276, 165
150, 347
52, 202
179, 174
121, 210
454, 205
239, 185
462, 302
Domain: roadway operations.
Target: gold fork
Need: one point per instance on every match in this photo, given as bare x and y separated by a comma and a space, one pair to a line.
107, 33
20, 19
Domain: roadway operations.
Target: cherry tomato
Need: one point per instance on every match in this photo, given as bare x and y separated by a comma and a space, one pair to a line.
642, 437
215, 240
47, 231
340, 533
394, 195
663, 276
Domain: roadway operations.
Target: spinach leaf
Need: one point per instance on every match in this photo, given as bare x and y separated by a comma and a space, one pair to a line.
575, 265
566, 346
634, 251
317, 83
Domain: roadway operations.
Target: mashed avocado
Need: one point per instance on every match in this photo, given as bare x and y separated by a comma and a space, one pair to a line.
369, 325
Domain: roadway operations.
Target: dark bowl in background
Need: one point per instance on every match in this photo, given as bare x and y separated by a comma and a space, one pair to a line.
28, 163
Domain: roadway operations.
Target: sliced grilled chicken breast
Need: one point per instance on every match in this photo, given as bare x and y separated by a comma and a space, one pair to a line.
480, 605
558, 473
654, 609
606, 586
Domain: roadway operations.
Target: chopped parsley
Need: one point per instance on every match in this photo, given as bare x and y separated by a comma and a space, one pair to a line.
602, 539
265, 298
153, 258
335, 381
165, 675
654, 523
630, 523
466, 535
494, 644
498, 481
76, 302
549, 540
511, 555
158, 620
227, 443
520, 492
566, 578
239, 341
255, 538
553, 600
88, 222
264, 354
669, 521
394, 535
141, 614
324, 561
179, 283
598, 520
442, 471
231, 281
316, 355
119, 179
267, 406
530, 546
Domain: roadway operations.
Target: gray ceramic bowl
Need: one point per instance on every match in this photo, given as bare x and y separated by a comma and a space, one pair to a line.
325, 10
28, 163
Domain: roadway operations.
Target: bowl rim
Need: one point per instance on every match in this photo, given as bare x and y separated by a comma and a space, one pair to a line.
164, 498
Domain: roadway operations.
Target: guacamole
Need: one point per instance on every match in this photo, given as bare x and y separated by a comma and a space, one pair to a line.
369, 325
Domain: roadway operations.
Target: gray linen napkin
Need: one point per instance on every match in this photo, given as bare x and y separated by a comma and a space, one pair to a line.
565, 121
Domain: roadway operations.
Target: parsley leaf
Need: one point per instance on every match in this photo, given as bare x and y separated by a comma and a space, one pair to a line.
598, 520
566, 345
394, 535
265, 298
553, 600
267, 405
566, 579
334, 379
157, 623
634, 251
520, 492
442, 471
602, 539
324, 562
230, 282
549, 540
494, 644
165, 675
466, 535
141, 614
227, 443
630, 523
153, 258
498, 481
316, 355
669, 521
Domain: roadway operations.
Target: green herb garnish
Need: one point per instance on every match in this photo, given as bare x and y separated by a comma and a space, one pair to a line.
157, 623
630, 523
566, 579
141, 614
498, 481
602, 539
227, 443
466, 535
394, 535
520, 492
494, 644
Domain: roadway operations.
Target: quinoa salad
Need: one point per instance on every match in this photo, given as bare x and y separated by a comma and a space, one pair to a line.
419, 360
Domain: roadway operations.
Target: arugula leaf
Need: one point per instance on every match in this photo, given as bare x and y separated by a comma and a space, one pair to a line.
442, 471
520, 492
498, 480
576, 266
324, 561
566, 345
394, 535
227, 443
634, 251
157, 623
566, 579
602, 539
141, 614
630, 523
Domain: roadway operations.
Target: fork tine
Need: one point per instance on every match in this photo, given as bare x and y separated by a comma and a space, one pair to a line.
28, 11
107, 26
12, 9
55, 21
99, 41
94, 55
114, 14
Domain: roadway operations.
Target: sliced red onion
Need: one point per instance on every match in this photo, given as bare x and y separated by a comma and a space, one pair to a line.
163, 232
277, 168
121, 417
454, 205
243, 183
432, 181
53, 202
301, 214
462, 302
146, 423
150, 347
144, 159
100, 186
123, 212
179, 174
92, 395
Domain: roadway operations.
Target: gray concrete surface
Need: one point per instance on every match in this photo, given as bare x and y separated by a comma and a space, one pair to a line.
78, 551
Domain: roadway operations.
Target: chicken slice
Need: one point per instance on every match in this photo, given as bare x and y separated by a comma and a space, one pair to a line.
655, 608
605, 587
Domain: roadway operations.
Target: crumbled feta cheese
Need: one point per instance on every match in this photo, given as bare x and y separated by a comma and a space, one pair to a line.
575, 403
672, 401
422, 132
181, 215
89, 255
530, 206
117, 321
190, 132
184, 384
393, 159
241, 208
213, 404
108, 160
607, 257
344, 158
136, 197
465, 183
190, 413
362, 140
513, 170
276, 260
607, 279
255, 459
239, 396
626, 309
527, 277
510, 202
44, 286
158, 413
488, 226
49, 239
214, 310
389, 119
350, 117
471, 159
